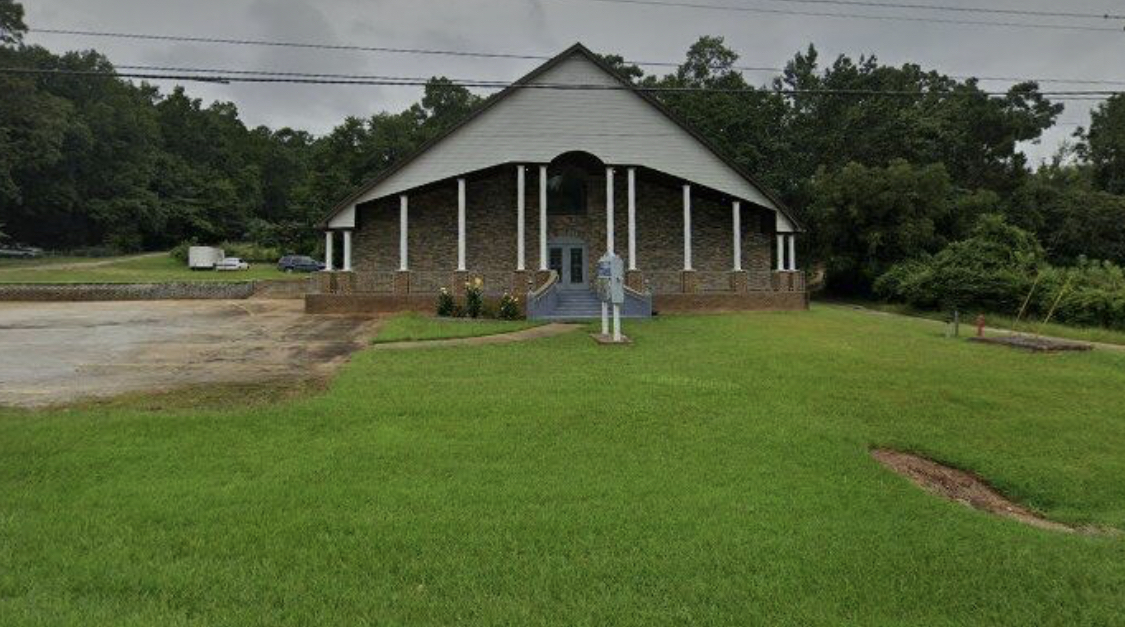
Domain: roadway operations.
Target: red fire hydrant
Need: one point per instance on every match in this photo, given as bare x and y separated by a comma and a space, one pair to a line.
980, 325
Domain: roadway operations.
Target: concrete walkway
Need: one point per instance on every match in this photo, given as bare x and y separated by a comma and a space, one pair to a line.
534, 333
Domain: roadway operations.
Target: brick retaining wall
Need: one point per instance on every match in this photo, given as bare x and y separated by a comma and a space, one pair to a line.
662, 303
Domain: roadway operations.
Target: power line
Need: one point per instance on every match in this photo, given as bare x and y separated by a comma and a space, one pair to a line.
471, 54
287, 44
314, 79
855, 16
164, 68
956, 9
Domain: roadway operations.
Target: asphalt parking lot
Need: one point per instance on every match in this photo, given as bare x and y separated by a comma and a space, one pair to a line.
56, 353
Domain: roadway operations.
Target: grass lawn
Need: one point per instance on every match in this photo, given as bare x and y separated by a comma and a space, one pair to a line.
145, 269
715, 472
998, 321
415, 327
8, 263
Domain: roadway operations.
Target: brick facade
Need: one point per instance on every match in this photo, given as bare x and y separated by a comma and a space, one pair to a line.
491, 228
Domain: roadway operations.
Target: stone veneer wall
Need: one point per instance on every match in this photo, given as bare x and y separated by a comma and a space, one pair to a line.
125, 291
491, 228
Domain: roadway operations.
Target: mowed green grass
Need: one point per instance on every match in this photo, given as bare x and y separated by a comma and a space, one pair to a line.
1030, 326
148, 269
413, 327
715, 472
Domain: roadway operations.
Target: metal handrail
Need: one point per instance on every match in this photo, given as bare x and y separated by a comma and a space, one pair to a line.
539, 292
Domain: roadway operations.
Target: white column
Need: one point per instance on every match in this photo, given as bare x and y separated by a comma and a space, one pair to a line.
632, 218
403, 255
609, 210
736, 220
687, 227
328, 251
461, 225
542, 217
521, 186
348, 251
780, 252
792, 253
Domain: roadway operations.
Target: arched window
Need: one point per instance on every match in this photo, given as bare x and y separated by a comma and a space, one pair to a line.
566, 192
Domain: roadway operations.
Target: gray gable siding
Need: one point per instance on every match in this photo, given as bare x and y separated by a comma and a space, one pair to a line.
534, 126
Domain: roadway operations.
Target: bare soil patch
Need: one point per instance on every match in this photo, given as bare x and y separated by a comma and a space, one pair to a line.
59, 353
966, 488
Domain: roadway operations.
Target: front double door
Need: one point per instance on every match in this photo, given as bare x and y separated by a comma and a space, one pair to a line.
569, 260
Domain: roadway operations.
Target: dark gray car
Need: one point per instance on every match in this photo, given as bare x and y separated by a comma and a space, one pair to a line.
299, 263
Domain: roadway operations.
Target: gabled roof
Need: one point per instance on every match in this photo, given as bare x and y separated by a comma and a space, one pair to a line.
530, 78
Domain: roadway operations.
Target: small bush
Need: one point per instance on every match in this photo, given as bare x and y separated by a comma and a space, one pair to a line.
251, 252
180, 252
445, 304
509, 308
474, 298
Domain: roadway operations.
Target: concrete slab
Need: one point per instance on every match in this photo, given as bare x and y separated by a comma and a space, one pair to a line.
55, 353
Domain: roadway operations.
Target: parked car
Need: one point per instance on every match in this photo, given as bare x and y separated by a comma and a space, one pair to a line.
20, 252
231, 264
299, 263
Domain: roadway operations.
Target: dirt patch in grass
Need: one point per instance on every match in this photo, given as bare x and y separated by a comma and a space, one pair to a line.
967, 489
1035, 344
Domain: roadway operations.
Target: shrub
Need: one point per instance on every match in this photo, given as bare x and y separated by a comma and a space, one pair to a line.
180, 252
251, 252
445, 304
991, 270
474, 298
509, 308
1000, 268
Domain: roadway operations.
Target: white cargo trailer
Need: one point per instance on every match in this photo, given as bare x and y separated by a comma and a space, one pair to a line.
204, 257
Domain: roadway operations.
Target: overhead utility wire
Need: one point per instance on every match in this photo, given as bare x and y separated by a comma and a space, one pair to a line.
855, 16
492, 84
467, 53
957, 9
287, 44
165, 68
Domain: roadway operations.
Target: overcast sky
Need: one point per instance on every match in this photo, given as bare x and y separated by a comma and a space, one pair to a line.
545, 27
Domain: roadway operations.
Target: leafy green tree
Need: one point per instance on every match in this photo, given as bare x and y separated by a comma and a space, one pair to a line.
950, 122
866, 219
747, 125
1103, 145
633, 73
993, 270
1071, 217
12, 27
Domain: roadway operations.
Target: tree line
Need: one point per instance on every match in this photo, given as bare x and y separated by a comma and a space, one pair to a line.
100, 162
880, 179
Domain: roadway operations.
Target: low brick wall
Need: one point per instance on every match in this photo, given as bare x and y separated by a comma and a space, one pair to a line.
124, 291
369, 303
661, 303
749, 301
281, 289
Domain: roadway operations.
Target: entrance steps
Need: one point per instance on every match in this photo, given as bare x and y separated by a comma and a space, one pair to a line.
578, 305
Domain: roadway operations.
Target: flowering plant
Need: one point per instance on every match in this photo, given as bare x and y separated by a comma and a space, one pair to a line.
509, 308
474, 297
445, 304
